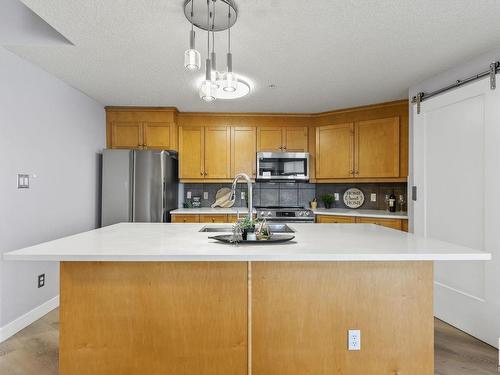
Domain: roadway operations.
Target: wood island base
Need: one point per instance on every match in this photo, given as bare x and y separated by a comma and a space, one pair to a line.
260, 318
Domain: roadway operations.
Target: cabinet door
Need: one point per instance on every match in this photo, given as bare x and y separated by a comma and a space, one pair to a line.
334, 151
389, 223
182, 218
157, 135
191, 152
295, 139
270, 139
377, 148
126, 134
334, 219
217, 152
213, 218
243, 151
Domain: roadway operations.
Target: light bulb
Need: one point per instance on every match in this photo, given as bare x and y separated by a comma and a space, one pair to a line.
230, 83
208, 91
192, 60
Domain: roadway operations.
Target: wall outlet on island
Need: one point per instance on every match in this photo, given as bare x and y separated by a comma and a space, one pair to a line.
336, 196
243, 195
188, 195
205, 195
354, 339
373, 197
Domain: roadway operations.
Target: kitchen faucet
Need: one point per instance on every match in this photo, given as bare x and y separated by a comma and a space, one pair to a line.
250, 195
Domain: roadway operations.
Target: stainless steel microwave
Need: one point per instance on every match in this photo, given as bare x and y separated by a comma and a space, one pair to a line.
283, 166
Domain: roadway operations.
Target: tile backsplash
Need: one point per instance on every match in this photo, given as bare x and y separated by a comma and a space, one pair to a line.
299, 193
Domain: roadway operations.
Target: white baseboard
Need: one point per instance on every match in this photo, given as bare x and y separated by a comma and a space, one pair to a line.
10, 329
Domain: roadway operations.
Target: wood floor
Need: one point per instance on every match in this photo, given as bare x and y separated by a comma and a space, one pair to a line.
33, 351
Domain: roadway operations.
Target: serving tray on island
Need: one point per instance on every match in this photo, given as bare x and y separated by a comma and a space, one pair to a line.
275, 238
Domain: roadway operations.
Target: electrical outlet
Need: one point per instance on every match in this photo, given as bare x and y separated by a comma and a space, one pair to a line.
205, 195
23, 181
337, 196
354, 339
243, 195
188, 195
373, 197
41, 280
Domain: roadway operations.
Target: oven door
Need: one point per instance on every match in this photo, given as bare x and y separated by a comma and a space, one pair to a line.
283, 166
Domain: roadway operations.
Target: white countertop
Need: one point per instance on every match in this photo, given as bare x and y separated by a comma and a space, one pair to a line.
360, 212
209, 211
184, 242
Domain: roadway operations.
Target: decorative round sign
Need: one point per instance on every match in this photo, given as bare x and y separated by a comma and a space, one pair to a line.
354, 198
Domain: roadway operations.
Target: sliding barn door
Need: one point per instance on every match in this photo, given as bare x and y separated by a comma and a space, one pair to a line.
457, 174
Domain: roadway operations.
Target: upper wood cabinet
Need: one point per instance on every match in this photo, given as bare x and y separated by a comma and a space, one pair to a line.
243, 150
334, 151
192, 152
157, 135
363, 149
141, 128
217, 152
282, 138
126, 134
377, 148
204, 152
295, 139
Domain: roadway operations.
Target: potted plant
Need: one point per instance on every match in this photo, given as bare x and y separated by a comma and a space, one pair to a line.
247, 226
327, 200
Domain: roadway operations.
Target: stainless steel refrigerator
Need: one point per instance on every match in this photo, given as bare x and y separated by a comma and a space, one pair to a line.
138, 186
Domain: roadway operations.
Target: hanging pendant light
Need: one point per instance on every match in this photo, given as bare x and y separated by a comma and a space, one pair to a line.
231, 81
192, 59
208, 87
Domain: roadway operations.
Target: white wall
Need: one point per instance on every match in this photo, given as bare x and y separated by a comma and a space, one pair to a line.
54, 132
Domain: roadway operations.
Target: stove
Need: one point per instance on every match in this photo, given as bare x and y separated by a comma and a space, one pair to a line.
285, 214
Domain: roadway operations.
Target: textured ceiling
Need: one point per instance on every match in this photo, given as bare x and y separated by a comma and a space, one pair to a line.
321, 54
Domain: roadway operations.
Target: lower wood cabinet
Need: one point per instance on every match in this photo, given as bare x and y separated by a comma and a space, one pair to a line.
183, 218
389, 223
213, 218
399, 224
241, 318
335, 219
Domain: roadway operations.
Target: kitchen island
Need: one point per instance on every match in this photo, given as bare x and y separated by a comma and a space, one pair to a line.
164, 299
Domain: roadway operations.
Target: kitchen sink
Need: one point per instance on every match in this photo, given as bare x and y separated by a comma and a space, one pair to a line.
275, 228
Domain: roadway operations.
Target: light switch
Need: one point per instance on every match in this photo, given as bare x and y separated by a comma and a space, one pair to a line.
188, 195
23, 181
243, 195
373, 197
337, 196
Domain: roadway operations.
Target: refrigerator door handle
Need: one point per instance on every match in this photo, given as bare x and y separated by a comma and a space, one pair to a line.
163, 187
132, 198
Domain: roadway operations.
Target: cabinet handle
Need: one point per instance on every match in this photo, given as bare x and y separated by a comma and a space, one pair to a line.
281, 148
201, 173
351, 172
213, 220
284, 148
206, 173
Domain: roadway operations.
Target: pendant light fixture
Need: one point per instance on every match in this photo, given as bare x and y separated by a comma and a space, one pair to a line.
208, 87
215, 85
231, 82
192, 59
